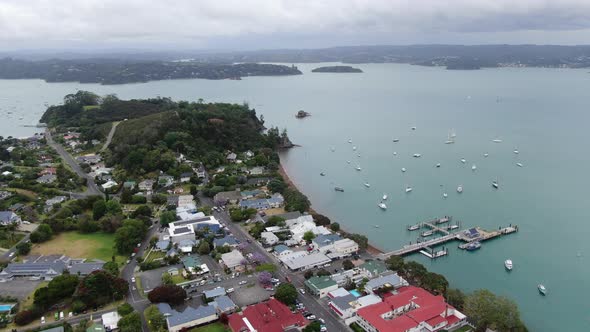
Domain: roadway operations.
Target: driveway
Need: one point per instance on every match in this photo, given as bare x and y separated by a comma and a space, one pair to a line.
19, 288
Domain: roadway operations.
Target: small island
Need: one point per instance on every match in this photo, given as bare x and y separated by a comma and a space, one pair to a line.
337, 69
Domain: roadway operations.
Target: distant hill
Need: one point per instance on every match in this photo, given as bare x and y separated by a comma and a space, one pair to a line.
337, 69
126, 71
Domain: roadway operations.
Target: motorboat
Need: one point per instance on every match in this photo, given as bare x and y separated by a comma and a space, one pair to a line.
413, 128
473, 246
508, 264
354, 148
495, 184
340, 189
497, 140
445, 195
451, 227
382, 206
519, 164
349, 141
395, 140
323, 174
348, 161
414, 227
384, 197
358, 168
408, 189
516, 151
394, 153
367, 185
460, 189
403, 169
473, 167
376, 226
417, 155
450, 139
427, 233
542, 289
463, 160
486, 155
438, 165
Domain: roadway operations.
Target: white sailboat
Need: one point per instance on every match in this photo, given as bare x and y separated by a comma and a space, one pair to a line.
516, 151
463, 160
438, 165
451, 138
486, 155
497, 140
445, 195
408, 189
358, 168
354, 148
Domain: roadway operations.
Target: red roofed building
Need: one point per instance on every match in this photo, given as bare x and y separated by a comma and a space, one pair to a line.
412, 309
48, 171
269, 316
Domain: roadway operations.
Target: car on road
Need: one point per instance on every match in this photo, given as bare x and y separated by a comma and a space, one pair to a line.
322, 321
274, 280
302, 291
132, 279
243, 282
323, 328
311, 317
229, 290
11, 255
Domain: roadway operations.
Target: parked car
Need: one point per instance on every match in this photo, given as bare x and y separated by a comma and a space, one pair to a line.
243, 282
274, 280
132, 279
323, 328
229, 290
302, 291
42, 319
311, 317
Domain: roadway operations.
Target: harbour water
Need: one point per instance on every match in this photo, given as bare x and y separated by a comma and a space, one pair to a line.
541, 112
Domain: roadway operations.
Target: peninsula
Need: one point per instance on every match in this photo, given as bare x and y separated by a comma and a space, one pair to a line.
337, 69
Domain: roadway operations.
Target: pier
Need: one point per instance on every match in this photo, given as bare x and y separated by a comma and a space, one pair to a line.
466, 236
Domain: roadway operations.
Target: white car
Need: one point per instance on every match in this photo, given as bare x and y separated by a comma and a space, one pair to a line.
43, 320
132, 279
311, 317
243, 282
301, 290
323, 329
229, 290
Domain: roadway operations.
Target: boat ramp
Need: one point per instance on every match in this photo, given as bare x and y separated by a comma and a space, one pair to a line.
436, 226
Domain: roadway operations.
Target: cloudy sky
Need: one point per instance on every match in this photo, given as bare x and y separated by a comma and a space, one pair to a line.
255, 24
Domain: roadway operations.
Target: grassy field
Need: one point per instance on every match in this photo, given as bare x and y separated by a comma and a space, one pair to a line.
24, 192
76, 245
215, 327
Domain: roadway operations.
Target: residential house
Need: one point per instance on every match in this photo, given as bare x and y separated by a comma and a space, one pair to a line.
335, 246
48, 267
165, 180
185, 177
185, 200
9, 217
302, 262
346, 306
130, 184
262, 181
373, 269
249, 154
282, 250
269, 238
109, 184
186, 245
84, 269
224, 304
146, 185
258, 170
186, 229
320, 286
287, 216
231, 157
4, 194
269, 316
227, 197
48, 171
233, 260
110, 320
390, 281
183, 320
214, 293
227, 240
201, 172
411, 309
47, 179
193, 265
275, 201
52, 201
162, 245
249, 194
369, 270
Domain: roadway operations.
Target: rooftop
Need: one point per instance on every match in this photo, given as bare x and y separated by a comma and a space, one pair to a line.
320, 282
189, 314
391, 279
270, 316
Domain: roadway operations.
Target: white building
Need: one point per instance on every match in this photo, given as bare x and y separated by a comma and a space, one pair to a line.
185, 200
269, 238
305, 261
232, 260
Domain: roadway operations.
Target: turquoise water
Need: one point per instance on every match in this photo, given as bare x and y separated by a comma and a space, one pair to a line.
6, 307
541, 112
355, 293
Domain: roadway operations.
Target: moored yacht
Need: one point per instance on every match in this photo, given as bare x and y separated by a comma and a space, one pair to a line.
417, 155
358, 168
408, 189
508, 264
384, 197
463, 160
382, 206
438, 165
460, 189
445, 195
414, 227
473, 167
497, 140
495, 184
403, 169
367, 185
542, 289
395, 140
519, 164
473, 246
486, 155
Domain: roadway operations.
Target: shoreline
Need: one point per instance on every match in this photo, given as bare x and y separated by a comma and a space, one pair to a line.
371, 249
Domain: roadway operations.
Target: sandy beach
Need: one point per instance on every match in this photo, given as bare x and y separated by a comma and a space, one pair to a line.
370, 249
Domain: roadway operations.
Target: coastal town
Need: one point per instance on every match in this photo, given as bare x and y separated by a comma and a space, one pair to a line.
98, 238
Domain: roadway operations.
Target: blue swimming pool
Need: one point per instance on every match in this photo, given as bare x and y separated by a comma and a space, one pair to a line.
6, 307
355, 293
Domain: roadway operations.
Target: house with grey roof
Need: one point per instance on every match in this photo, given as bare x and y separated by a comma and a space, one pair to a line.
53, 201
37, 270
231, 157
84, 269
215, 292
269, 238
227, 197
162, 245
201, 171
393, 281
224, 304
9, 217
233, 260
182, 320
282, 250
146, 185
227, 240
47, 179
185, 177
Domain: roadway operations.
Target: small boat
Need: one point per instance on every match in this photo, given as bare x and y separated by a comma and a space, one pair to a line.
358, 155
519, 164
542, 289
384, 197
348, 161
408, 189
414, 227
497, 140
394, 153
358, 168
473, 167
516, 151
460, 189
354, 148
340, 189
473, 246
395, 140
427, 233
349, 141
332, 149
463, 160
450, 139
438, 165
382, 206
376, 226
445, 195
417, 155
495, 184
485, 155
323, 174
451, 227
508, 264
413, 128
367, 185
403, 169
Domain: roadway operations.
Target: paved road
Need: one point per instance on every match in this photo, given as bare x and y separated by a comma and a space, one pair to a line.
91, 187
312, 304
73, 320
110, 136
6, 255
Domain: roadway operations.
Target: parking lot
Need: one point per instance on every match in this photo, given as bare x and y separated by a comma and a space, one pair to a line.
153, 278
18, 288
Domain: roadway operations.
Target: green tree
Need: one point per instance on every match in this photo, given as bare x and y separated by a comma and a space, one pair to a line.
167, 279
155, 319
308, 236
23, 248
204, 248
276, 186
321, 220
99, 209
286, 293
314, 326
167, 217
347, 264
127, 236
361, 240
113, 207
435, 283
308, 274
487, 310
395, 263
335, 227
456, 298
124, 309
41, 234
193, 190
130, 323
111, 267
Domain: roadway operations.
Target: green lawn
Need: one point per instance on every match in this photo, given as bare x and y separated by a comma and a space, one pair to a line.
8, 242
77, 245
155, 255
177, 279
215, 327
